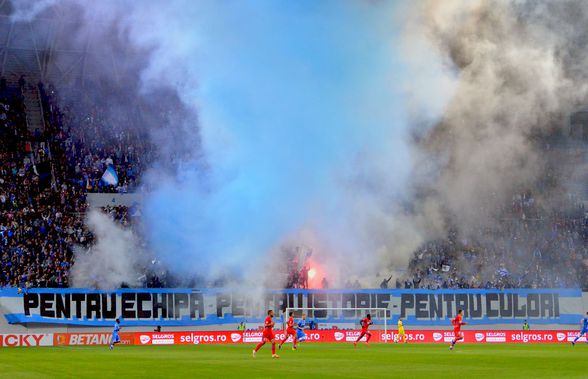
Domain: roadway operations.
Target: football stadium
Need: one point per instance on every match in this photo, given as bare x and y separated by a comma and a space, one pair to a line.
293, 189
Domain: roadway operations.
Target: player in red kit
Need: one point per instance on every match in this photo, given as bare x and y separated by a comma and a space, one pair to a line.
290, 331
457, 323
365, 324
268, 334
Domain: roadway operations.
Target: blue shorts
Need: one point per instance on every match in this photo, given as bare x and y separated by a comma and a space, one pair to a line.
583, 331
300, 335
115, 337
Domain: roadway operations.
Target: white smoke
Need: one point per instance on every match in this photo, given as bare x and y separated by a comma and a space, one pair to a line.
517, 80
114, 258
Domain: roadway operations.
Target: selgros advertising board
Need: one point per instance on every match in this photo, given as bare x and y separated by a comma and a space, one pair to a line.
313, 336
180, 307
350, 336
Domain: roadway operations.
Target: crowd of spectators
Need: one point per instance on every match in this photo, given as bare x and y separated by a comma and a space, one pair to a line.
93, 137
549, 251
37, 226
44, 178
297, 266
45, 175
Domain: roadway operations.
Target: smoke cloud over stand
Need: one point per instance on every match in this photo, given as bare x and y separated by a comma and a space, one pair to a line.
518, 79
115, 258
300, 127
360, 128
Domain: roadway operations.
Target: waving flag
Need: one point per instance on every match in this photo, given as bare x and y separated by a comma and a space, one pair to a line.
110, 176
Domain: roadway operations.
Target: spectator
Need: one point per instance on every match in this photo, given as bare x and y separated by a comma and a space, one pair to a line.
385, 282
304, 276
526, 326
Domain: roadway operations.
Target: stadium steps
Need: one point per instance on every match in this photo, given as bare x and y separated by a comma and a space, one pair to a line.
34, 109
19, 62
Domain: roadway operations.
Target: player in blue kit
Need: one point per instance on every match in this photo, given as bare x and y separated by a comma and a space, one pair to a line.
300, 336
115, 335
584, 330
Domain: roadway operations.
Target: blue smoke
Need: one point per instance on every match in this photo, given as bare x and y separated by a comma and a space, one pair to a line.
303, 131
302, 124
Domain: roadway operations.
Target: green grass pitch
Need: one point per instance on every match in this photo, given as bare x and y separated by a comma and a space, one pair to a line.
309, 361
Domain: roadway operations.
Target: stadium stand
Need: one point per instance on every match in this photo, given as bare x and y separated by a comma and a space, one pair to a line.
90, 142
37, 226
45, 176
549, 251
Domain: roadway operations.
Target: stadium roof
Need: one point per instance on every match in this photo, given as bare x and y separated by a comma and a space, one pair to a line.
56, 46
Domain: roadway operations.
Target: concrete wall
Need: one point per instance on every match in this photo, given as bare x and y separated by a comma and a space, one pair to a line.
98, 200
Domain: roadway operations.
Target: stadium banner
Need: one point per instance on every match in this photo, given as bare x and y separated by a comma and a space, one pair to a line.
193, 307
312, 336
26, 340
84, 339
349, 336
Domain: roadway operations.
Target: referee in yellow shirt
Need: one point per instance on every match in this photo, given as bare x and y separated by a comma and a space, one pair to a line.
401, 333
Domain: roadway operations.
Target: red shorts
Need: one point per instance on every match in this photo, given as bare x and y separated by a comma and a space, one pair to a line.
456, 331
290, 331
365, 331
268, 334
